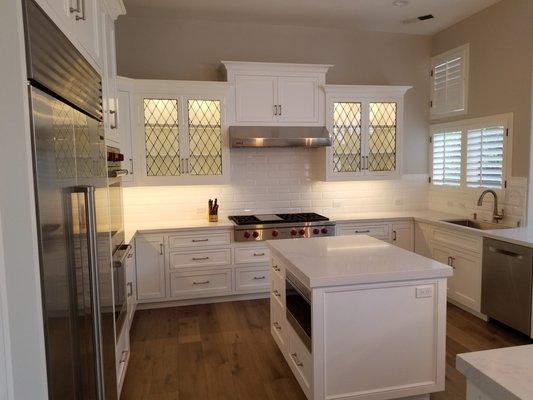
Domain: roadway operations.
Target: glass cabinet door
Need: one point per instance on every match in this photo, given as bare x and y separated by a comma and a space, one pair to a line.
382, 137
162, 137
346, 137
205, 137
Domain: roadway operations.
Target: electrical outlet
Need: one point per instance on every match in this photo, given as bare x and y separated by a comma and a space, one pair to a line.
424, 291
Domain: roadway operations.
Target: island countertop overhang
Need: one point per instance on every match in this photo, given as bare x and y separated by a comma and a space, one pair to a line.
352, 260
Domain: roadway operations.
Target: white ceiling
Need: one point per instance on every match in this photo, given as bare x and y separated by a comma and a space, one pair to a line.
379, 15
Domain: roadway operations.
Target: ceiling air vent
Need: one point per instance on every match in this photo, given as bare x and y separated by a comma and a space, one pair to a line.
416, 19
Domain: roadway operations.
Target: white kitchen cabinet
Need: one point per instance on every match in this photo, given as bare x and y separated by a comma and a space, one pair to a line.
276, 94
150, 268
366, 127
80, 21
464, 287
403, 235
124, 132
179, 132
131, 286
422, 238
109, 81
256, 98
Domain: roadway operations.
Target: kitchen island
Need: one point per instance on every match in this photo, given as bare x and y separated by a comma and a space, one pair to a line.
358, 318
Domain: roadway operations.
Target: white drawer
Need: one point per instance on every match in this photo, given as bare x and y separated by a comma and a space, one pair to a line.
375, 230
200, 284
248, 255
300, 359
278, 325
207, 258
198, 239
252, 279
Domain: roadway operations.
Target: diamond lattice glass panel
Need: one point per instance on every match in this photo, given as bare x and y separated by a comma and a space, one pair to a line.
161, 131
382, 137
205, 139
346, 137
447, 158
484, 158
65, 156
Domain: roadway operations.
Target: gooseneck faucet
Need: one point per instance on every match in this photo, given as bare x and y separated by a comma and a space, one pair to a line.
496, 216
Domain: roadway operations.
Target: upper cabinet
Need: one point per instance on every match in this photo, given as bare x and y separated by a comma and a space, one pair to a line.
179, 132
366, 127
275, 94
109, 81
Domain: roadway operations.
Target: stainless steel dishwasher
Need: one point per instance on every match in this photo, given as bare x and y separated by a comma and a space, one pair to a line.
507, 283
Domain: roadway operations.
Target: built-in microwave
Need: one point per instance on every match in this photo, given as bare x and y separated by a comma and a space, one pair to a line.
298, 308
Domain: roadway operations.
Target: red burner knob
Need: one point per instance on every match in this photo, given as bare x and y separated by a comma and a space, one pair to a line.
275, 233
255, 234
324, 230
246, 235
316, 231
293, 232
301, 232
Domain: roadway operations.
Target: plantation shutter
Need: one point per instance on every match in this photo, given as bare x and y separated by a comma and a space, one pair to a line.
447, 158
484, 166
448, 85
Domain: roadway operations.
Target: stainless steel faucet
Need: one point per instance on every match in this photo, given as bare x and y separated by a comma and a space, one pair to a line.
496, 216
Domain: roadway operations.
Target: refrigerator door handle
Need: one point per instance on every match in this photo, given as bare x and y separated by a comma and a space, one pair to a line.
92, 246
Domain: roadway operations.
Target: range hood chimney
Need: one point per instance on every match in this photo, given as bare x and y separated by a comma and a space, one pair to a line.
279, 136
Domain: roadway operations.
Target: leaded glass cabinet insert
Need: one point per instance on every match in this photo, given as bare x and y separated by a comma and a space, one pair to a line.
365, 123
205, 137
382, 137
346, 137
161, 134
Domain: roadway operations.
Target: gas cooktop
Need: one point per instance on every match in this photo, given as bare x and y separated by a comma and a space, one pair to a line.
281, 226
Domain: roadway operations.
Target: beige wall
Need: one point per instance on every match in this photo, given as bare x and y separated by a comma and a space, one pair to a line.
165, 48
501, 48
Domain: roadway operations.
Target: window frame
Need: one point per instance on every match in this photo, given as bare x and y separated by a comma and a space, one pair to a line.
464, 50
505, 120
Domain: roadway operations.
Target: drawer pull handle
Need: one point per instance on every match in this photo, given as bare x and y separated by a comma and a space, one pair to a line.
200, 240
124, 357
259, 254
276, 293
276, 268
277, 326
365, 231
508, 253
201, 283
130, 288
200, 258
258, 278
298, 362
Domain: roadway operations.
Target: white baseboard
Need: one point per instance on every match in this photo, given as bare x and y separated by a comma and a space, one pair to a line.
469, 310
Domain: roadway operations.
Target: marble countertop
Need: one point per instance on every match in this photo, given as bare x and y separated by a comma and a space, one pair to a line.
502, 373
349, 260
521, 236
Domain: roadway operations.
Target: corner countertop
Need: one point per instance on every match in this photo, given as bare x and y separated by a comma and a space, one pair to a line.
351, 260
501, 373
520, 236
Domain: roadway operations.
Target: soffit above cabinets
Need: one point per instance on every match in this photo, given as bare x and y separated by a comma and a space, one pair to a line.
372, 15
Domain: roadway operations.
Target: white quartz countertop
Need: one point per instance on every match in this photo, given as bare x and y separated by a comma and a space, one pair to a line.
502, 373
349, 260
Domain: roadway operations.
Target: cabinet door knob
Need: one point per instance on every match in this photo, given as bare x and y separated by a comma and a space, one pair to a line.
393, 236
161, 248
275, 109
279, 109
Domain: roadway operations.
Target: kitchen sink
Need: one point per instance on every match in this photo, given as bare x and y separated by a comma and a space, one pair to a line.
472, 223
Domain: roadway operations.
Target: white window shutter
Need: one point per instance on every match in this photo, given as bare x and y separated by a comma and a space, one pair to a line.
449, 82
484, 163
447, 158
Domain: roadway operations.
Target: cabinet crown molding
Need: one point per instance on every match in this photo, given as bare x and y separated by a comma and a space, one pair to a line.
370, 90
258, 67
114, 8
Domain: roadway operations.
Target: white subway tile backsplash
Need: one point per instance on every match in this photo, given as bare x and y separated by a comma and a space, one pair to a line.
275, 180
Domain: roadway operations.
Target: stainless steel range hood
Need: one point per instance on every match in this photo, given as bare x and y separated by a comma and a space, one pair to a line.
279, 136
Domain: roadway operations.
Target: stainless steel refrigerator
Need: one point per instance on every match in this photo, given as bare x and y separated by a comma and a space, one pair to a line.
70, 171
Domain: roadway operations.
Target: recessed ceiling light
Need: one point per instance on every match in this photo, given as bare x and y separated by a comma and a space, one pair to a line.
400, 3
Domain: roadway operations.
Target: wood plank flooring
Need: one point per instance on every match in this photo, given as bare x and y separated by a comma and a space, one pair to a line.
224, 351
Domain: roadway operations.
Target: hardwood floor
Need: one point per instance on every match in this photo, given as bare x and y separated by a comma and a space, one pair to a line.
224, 351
